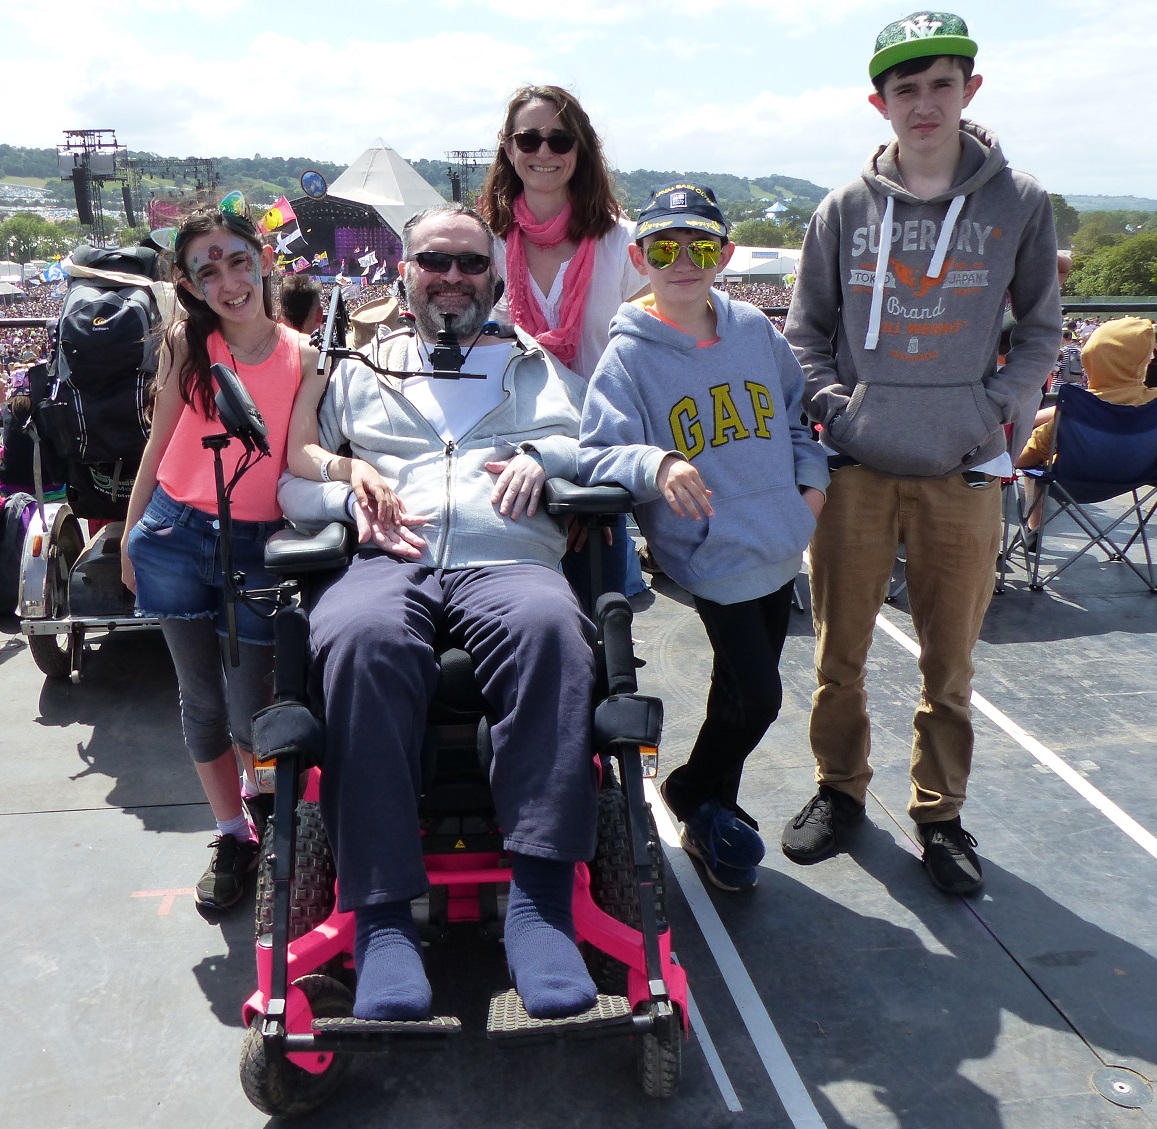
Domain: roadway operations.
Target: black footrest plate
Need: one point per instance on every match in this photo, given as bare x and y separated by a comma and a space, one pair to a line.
509, 1019
350, 1028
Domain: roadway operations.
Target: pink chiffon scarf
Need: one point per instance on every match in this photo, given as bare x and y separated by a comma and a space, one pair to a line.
525, 311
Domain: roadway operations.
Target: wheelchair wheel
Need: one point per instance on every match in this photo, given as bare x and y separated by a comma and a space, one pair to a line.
53, 653
660, 1061
274, 1084
314, 876
613, 881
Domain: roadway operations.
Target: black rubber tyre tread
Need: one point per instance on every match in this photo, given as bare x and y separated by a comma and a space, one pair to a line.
314, 876
270, 1081
660, 1061
613, 882
52, 653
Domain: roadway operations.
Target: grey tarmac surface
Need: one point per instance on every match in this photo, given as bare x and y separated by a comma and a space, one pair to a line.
898, 1007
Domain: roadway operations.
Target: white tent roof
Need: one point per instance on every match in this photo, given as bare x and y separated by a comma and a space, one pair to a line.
769, 268
382, 180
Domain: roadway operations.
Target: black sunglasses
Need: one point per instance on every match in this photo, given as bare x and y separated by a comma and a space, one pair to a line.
530, 140
439, 262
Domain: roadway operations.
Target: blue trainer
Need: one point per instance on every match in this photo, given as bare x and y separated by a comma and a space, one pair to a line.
726, 877
729, 849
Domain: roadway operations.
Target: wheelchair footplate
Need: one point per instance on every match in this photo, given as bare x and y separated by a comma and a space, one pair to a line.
346, 1030
509, 1019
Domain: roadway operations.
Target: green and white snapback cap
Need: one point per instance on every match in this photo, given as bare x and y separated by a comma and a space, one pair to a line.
919, 35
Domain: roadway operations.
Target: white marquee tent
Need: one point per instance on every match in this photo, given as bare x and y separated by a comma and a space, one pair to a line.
382, 180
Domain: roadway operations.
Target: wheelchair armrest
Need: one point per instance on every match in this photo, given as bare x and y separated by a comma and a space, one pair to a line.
290, 552
563, 497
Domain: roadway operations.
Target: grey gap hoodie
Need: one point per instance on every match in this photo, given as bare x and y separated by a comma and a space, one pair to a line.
734, 410
898, 305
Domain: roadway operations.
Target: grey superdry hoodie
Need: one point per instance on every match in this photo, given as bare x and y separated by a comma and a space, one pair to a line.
734, 409
898, 305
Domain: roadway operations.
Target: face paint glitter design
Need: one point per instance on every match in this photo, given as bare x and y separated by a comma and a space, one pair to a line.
212, 266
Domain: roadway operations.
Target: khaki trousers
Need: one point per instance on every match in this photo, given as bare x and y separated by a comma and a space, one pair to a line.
951, 534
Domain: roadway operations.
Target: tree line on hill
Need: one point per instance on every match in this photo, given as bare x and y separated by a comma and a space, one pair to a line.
744, 201
1114, 252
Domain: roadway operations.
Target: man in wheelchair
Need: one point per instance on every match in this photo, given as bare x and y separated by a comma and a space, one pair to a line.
443, 478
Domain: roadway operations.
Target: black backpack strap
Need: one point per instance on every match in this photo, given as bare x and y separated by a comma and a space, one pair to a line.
37, 472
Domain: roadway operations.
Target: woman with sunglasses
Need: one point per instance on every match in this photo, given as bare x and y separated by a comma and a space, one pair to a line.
550, 198
170, 554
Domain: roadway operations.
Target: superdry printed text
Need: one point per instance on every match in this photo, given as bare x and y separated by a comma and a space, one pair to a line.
914, 292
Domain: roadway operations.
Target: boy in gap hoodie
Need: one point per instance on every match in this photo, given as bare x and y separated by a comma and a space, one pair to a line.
896, 320
695, 407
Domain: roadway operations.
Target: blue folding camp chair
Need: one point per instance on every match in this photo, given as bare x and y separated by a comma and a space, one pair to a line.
1100, 451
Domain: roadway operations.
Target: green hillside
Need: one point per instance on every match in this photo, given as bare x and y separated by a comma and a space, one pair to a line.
635, 186
262, 179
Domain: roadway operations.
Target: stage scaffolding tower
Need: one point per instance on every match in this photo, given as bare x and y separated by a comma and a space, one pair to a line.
199, 173
465, 162
89, 159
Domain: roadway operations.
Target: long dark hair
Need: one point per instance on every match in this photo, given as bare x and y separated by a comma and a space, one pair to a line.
595, 208
196, 385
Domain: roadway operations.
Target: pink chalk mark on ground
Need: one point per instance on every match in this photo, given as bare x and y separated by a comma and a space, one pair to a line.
167, 898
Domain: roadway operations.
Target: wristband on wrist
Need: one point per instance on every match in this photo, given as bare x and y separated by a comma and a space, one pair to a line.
325, 470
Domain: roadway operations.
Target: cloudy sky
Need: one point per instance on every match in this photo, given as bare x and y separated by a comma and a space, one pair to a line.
742, 86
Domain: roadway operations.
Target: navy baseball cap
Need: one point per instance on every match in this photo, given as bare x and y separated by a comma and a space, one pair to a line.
681, 205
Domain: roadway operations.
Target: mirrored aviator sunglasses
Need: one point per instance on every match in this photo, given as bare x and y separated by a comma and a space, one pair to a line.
703, 253
439, 262
530, 141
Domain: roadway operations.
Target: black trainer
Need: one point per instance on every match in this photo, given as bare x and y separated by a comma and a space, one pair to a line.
951, 862
813, 833
223, 882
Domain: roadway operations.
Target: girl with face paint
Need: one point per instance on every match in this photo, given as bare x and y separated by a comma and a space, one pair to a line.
170, 553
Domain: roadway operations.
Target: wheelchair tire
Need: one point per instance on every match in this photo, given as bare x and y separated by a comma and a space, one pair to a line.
613, 882
314, 876
53, 653
660, 1062
274, 1084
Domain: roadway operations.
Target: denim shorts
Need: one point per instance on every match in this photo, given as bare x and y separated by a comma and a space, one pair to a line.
176, 554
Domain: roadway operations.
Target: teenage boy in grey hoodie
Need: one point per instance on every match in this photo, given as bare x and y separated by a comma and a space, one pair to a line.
695, 407
896, 320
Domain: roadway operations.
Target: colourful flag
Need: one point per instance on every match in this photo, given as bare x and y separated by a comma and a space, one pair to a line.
286, 238
279, 215
321, 259
299, 265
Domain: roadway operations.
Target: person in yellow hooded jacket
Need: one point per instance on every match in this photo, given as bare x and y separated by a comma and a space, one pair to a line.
1115, 360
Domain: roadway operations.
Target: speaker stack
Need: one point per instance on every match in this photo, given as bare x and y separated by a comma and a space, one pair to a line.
82, 186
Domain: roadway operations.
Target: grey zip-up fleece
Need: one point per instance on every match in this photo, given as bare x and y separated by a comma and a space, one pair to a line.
734, 410
448, 483
898, 305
